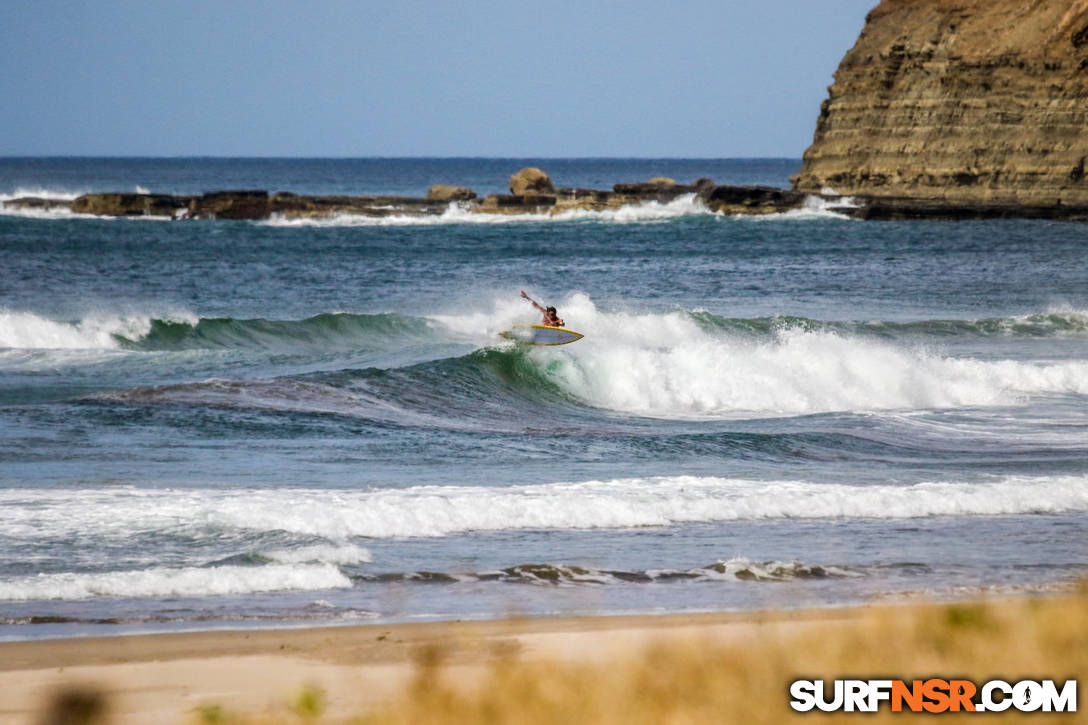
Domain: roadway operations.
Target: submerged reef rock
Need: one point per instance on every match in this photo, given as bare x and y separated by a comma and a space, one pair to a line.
959, 109
448, 192
538, 196
531, 180
753, 199
230, 205
664, 189
132, 205
294, 206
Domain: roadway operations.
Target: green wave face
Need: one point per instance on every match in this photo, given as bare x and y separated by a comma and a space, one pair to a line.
346, 331
328, 331
1048, 324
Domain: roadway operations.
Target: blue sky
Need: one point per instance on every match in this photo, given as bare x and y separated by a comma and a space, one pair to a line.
694, 78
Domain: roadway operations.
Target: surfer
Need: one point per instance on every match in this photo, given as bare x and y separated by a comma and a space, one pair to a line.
551, 318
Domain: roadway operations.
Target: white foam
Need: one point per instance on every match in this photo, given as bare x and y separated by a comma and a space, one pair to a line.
681, 206
62, 212
41, 193
740, 568
26, 330
797, 372
455, 213
177, 582
96, 331
685, 371
344, 555
814, 207
1074, 321
109, 514
53, 213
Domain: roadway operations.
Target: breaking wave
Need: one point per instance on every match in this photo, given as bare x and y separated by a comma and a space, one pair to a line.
25, 330
814, 207
47, 211
40, 193
436, 511
696, 365
225, 580
174, 582
648, 211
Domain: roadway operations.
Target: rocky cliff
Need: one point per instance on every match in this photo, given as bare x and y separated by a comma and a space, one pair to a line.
970, 102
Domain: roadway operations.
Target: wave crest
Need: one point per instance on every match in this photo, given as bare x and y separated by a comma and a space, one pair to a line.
677, 365
182, 331
25, 330
174, 582
436, 511
647, 211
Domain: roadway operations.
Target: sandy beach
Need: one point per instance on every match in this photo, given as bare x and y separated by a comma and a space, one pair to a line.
167, 677
193, 677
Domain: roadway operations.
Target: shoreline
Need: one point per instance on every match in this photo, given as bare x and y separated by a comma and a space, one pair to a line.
1055, 589
176, 676
151, 646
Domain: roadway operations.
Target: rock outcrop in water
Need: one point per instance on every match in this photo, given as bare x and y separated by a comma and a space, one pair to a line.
959, 109
449, 192
531, 180
538, 196
130, 204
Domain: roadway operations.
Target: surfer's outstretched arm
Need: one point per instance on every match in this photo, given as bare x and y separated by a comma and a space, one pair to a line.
534, 302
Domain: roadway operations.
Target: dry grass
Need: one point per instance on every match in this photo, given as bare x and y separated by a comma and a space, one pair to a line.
678, 685
743, 681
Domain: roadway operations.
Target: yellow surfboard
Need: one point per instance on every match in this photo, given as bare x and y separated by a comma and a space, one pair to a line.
542, 335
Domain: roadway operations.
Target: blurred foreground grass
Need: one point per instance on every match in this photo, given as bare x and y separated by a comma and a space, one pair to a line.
748, 682
744, 680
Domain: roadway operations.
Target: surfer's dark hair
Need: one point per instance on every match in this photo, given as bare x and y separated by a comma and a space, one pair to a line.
551, 309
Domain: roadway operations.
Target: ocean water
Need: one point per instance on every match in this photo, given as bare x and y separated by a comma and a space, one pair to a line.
211, 424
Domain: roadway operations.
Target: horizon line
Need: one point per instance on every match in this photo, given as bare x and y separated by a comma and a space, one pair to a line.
402, 158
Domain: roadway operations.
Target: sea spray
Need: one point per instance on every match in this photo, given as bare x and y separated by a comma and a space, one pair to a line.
26, 330
642, 212
813, 208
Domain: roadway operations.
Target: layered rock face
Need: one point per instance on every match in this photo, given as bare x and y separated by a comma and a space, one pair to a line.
960, 102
